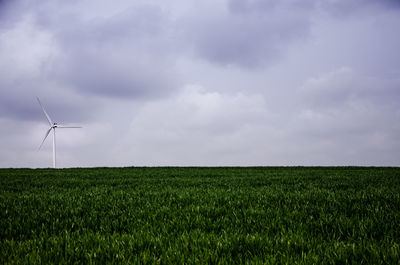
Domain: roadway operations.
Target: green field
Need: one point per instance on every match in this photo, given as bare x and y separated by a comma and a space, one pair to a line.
260, 215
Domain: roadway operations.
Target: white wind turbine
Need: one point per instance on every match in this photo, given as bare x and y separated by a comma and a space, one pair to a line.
53, 127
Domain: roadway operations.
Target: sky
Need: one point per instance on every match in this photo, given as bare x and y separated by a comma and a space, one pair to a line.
201, 83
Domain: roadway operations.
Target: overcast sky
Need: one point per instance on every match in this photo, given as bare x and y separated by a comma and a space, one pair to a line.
201, 83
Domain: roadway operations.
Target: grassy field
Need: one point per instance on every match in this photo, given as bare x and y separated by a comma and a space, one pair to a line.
283, 215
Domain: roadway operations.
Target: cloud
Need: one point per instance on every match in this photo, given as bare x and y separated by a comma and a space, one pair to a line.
345, 86
236, 36
29, 55
343, 8
257, 33
124, 55
187, 129
336, 8
270, 88
263, 7
351, 117
72, 60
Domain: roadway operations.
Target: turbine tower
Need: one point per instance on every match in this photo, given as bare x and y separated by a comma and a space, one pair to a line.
53, 127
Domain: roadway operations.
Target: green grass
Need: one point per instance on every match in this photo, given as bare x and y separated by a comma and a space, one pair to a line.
272, 215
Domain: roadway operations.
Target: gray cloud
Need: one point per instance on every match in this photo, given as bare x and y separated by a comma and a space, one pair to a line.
263, 7
256, 33
125, 55
115, 77
342, 8
247, 82
27, 55
344, 111
236, 36
345, 86
52, 49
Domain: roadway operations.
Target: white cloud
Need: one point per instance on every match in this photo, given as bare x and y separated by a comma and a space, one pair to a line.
196, 127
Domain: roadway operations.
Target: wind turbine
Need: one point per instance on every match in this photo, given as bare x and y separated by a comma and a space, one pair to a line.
53, 127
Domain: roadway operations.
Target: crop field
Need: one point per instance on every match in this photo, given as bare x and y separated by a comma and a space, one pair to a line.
249, 215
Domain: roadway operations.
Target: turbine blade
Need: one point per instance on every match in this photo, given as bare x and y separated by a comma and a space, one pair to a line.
45, 113
68, 127
47, 134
